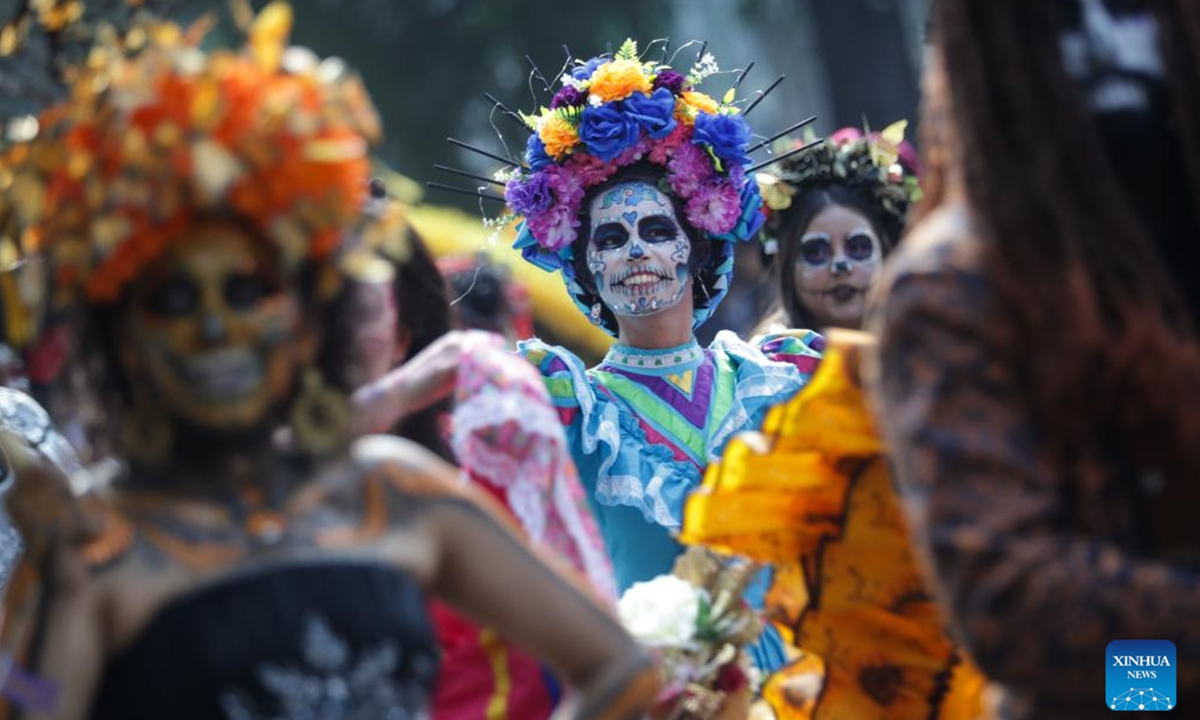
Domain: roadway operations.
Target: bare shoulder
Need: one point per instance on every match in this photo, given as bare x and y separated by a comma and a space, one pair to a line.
420, 478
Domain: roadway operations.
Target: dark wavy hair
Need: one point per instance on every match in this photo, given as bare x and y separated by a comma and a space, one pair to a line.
1082, 291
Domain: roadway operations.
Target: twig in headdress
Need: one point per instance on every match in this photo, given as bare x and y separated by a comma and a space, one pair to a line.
566, 68
666, 49
703, 47
485, 153
537, 73
784, 156
680, 49
743, 75
762, 95
497, 104
650, 45
464, 173
472, 193
781, 133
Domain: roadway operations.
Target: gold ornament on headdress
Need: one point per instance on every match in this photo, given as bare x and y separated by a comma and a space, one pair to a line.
152, 139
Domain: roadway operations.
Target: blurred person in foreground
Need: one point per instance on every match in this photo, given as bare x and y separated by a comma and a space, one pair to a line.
1038, 362
196, 204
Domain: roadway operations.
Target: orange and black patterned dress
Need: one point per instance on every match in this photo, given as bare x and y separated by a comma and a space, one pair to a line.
812, 492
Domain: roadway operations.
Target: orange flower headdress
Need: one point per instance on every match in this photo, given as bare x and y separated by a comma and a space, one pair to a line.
157, 133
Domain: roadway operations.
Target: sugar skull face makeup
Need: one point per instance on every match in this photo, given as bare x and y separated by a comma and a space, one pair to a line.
213, 330
1110, 47
637, 253
837, 263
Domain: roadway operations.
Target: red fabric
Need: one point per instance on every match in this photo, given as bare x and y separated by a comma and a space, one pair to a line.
466, 683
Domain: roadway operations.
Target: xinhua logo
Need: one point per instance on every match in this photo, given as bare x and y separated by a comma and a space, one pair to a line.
1140, 675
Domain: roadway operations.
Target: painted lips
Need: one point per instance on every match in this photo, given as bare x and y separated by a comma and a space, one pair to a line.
844, 293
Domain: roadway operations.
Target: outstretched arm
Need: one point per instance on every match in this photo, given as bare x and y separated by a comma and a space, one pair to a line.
487, 572
422, 381
51, 633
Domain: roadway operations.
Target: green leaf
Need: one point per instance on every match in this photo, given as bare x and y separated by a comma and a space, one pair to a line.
730, 94
628, 51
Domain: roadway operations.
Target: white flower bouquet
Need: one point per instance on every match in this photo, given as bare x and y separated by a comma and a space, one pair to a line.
699, 623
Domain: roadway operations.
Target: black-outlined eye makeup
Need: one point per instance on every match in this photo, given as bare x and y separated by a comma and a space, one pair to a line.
816, 249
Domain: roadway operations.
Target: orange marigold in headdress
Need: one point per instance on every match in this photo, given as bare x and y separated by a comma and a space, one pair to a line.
154, 137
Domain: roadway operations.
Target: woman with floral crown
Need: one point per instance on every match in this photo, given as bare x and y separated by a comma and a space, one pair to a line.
635, 188
836, 211
199, 203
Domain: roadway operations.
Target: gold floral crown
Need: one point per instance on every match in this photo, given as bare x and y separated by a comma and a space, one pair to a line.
157, 133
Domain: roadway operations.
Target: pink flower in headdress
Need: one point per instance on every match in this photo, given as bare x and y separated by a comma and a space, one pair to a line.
845, 135
555, 228
589, 169
665, 148
633, 154
714, 207
689, 167
567, 185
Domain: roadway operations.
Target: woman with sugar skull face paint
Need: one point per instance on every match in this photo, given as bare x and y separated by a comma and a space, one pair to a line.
1039, 358
227, 574
637, 197
836, 211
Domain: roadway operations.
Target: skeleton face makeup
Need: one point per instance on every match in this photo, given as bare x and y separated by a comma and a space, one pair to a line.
213, 330
1110, 48
637, 252
837, 262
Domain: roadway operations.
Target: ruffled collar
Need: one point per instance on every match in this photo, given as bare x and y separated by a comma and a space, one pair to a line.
681, 357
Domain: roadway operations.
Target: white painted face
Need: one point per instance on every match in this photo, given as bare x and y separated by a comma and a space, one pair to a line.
637, 252
837, 264
1110, 47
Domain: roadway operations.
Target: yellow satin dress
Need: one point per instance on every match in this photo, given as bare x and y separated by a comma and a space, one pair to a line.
811, 493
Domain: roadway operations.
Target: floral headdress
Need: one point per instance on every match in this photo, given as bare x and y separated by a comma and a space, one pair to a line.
613, 112
156, 133
881, 168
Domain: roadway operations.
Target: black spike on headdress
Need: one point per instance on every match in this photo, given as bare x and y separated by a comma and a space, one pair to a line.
460, 191
806, 121
762, 95
784, 156
742, 76
464, 173
485, 153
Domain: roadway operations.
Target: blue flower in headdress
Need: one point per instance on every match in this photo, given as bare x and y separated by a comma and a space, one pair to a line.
583, 72
535, 153
607, 131
727, 135
655, 113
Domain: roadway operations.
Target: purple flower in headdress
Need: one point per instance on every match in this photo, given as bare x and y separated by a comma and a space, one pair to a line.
566, 184
655, 113
727, 135
585, 71
568, 96
687, 168
535, 153
670, 80
606, 130
528, 196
